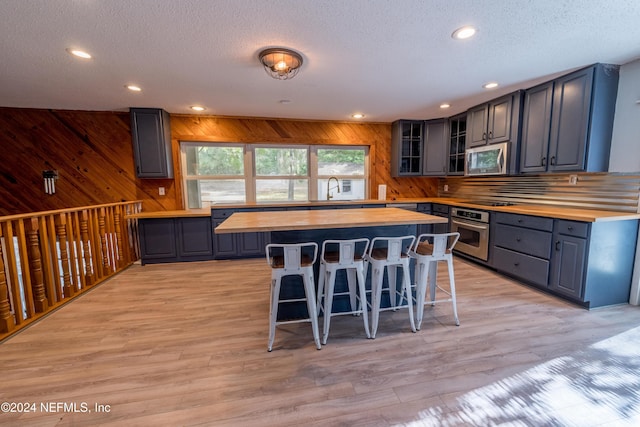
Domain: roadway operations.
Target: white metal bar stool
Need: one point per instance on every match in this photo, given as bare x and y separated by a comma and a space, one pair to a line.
390, 253
428, 250
292, 260
345, 255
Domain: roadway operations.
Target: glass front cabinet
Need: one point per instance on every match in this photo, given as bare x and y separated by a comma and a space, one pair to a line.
406, 148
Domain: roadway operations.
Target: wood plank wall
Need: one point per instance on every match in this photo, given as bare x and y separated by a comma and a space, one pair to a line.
93, 155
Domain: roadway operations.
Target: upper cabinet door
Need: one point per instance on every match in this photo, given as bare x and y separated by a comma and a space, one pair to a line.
570, 121
477, 126
536, 123
151, 136
499, 126
436, 134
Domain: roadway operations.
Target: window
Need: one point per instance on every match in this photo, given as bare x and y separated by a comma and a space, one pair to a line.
282, 174
213, 173
227, 172
348, 166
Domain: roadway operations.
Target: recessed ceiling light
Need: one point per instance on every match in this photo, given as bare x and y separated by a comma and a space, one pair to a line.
445, 105
134, 88
197, 108
358, 116
79, 53
285, 101
464, 32
490, 85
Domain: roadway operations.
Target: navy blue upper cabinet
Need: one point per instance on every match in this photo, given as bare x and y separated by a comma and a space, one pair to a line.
567, 123
494, 122
151, 136
406, 147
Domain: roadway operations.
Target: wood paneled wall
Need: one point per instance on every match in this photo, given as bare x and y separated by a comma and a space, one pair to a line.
93, 155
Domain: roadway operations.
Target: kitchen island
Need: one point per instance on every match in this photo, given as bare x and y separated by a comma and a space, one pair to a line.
319, 225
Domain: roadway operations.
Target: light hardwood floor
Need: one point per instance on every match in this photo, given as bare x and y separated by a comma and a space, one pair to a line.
185, 344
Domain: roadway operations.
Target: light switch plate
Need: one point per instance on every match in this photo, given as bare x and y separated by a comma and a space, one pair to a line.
161, 191
573, 179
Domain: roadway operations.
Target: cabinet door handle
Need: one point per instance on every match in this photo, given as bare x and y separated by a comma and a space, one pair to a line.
558, 245
490, 134
484, 135
553, 160
544, 161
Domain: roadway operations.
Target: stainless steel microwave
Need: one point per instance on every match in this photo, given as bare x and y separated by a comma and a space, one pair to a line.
486, 160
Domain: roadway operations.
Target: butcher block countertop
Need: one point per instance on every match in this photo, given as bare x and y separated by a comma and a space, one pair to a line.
322, 219
585, 215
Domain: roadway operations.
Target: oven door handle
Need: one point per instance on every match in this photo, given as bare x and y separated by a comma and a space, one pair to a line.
470, 224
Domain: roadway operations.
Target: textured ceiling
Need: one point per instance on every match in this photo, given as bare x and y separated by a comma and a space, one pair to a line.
388, 59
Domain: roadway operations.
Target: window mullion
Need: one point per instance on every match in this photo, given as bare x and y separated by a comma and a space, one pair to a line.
313, 173
250, 173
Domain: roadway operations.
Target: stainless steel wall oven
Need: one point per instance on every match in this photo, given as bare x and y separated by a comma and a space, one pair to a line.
473, 227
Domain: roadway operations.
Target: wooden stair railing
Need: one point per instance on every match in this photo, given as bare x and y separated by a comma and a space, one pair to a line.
48, 258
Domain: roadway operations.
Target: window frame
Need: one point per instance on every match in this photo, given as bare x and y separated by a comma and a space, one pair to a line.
250, 176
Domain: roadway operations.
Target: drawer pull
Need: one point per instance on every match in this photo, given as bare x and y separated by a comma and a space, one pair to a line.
570, 228
517, 239
516, 264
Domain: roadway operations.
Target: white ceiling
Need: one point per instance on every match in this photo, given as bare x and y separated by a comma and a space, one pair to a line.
389, 59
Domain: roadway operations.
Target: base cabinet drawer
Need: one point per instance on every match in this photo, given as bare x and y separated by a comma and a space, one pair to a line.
531, 242
529, 268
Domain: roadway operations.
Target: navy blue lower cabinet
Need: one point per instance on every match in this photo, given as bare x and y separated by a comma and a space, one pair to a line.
521, 247
590, 264
238, 245
194, 238
224, 245
607, 251
568, 266
157, 240
175, 239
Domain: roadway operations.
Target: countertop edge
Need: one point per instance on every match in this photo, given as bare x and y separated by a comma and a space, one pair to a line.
584, 215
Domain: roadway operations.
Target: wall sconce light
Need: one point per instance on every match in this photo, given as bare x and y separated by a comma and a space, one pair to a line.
50, 178
280, 63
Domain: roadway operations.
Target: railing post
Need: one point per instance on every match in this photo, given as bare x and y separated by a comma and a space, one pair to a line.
103, 238
84, 236
61, 231
40, 302
119, 243
7, 322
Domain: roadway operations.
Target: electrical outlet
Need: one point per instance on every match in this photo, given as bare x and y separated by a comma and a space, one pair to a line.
573, 179
161, 191
446, 188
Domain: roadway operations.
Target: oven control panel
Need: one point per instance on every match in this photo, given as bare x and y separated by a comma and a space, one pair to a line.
470, 214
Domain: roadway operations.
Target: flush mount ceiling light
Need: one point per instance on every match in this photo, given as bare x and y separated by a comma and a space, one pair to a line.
490, 85
79, 53
134, 88
464, 32
281, 63
358, 116
197, 108
445, 105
